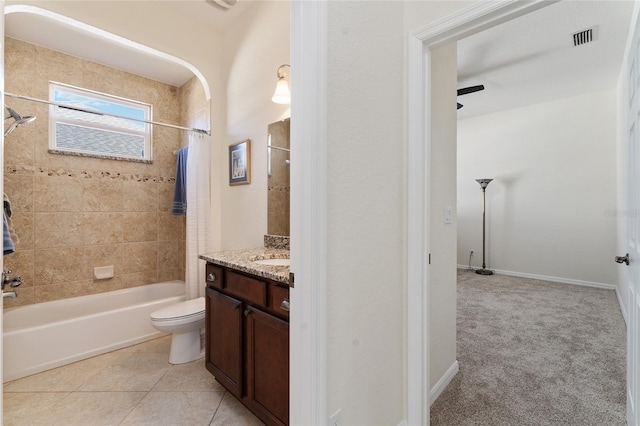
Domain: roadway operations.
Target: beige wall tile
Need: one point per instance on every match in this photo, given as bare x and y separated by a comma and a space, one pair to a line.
20, 65
101, 78
61, 290
166, 141
19, 189
170, 274
170, 254
26, 296
102, 195
82, 212
103, 228
165, 197
23, 223
57, 66
21, 263
104, 285
140, 226
59, 229
139, 257
58, 265
140, 196
19, 147
136, 279
57, 194
102, 255
170, 227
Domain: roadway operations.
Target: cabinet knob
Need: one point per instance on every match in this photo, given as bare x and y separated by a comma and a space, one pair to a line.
211, 277
285, 305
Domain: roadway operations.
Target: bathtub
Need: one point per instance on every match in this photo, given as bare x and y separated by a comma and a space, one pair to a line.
50, 334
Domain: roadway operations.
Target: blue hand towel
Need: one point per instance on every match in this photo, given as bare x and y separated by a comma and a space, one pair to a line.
7, 243
180, 194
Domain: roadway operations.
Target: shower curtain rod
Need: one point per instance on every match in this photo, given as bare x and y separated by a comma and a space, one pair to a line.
28, 98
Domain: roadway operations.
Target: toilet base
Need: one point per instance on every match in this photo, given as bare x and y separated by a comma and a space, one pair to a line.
185, 347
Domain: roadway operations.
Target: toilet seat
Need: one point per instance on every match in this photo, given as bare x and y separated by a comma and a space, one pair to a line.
189, 309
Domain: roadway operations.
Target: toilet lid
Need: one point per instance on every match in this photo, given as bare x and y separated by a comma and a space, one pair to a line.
184, 309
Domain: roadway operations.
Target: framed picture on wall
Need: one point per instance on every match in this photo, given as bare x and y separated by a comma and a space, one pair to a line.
240, 163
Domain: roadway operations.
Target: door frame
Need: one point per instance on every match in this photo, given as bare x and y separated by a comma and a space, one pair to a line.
471, 20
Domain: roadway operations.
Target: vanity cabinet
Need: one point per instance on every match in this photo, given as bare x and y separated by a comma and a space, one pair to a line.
247, 340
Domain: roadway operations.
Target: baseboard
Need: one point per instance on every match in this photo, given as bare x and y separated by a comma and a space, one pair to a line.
443, 382
623, 308
552, 279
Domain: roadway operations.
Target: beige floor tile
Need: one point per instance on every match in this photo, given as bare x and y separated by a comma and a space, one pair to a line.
183, 394
190, 377
25, 408
67, 378
161, 345
91, 408
232, 413
175, 409
135, 372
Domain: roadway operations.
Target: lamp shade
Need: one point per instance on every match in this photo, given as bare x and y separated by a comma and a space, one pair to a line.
282, 94
483, 182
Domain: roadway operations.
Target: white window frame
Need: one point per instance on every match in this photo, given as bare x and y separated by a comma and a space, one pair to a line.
55, 118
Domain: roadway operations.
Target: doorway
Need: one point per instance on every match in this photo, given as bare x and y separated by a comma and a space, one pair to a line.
420, 49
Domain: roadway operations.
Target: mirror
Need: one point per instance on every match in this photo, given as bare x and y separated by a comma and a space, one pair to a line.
278, 178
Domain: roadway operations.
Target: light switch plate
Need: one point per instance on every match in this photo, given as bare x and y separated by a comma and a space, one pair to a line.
447, 215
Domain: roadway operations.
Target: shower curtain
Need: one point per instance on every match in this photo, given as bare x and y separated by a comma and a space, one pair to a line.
198, 231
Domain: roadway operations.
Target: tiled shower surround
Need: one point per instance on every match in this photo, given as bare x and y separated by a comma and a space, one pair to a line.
74, 213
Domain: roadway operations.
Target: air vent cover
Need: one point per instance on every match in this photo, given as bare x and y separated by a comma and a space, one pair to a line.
585, 36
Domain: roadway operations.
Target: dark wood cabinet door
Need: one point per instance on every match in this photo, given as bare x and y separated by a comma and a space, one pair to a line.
268, 366
224, 340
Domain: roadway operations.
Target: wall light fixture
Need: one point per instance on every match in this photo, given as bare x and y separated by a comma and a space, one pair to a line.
282, 94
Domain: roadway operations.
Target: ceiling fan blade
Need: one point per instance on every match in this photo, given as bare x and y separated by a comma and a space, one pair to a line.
470, 89
460, 105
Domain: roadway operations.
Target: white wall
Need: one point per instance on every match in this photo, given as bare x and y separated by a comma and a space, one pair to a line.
366, 193
442, 236
253, 49
550, 209
365, 212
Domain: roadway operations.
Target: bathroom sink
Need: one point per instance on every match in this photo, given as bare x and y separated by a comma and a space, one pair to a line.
273, 262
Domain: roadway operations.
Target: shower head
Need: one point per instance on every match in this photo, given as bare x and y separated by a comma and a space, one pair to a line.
18, 120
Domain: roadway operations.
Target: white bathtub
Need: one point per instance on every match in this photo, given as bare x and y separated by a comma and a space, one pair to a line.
47, 335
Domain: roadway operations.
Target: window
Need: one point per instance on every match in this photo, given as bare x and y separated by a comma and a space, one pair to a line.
93, 133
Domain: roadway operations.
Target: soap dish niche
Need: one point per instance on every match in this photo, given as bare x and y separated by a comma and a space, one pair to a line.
103, 272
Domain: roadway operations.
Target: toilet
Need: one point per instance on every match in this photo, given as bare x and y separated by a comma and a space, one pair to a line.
184, 320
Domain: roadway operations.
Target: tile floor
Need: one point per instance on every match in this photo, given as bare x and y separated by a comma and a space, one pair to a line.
131, 386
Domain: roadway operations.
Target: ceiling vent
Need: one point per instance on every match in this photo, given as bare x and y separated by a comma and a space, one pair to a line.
585, 36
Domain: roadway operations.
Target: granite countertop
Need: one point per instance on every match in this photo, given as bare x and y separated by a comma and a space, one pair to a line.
243, 260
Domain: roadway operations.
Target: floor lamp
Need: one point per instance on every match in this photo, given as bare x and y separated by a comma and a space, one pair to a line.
483, 184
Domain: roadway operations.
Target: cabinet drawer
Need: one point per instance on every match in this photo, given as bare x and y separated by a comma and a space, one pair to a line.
250, 289
214, 276
279, 300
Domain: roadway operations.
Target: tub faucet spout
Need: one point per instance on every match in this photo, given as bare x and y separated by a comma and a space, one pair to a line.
12, 281
11, 294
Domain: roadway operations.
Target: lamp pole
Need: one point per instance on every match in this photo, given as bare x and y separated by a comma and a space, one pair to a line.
483, 184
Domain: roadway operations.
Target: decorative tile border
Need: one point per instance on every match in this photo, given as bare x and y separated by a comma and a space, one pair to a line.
42, 171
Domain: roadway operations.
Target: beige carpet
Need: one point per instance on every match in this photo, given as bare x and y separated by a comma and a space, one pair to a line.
535, 353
